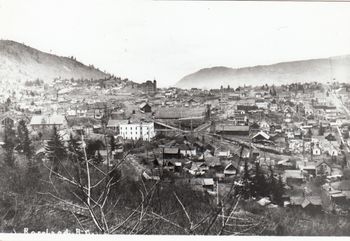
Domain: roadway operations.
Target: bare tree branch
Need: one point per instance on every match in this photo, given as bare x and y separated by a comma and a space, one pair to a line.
185, 211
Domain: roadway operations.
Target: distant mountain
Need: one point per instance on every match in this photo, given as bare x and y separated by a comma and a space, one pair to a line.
21, 62
322, 70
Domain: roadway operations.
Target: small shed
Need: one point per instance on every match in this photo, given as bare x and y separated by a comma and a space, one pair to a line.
145, 108
171, 153
230, 170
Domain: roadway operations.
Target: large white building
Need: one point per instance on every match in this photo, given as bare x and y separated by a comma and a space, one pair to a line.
136, 131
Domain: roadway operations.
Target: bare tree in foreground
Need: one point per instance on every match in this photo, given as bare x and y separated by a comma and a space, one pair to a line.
93, 195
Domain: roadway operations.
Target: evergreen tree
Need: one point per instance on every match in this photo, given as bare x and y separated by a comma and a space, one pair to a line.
254, 185
112, 143
76, 156
9, 145
20, 130
276, 188
272, 183
55, 150
278, 198
7, 104
246, 189
260, 185
25, 142
92, 147
104, 119
273, 91
75, 152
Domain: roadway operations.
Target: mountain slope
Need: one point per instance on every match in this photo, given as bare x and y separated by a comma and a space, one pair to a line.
21, 62
322, 70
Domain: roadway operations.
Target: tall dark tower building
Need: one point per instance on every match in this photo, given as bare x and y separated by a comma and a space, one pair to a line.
154, 85
149, 87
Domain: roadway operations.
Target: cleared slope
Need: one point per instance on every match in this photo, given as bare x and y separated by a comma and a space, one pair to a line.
322, 70
21, 62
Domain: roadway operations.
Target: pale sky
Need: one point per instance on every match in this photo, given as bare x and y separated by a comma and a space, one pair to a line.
166, 40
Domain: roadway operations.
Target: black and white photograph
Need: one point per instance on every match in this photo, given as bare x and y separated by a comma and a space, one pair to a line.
150, 118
